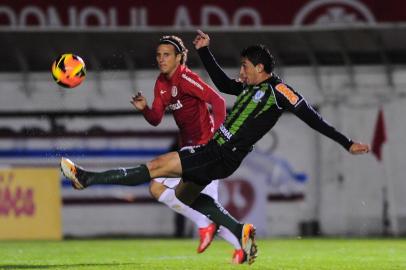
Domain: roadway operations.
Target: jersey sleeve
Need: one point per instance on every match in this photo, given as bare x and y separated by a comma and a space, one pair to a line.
288, 99
155, 114
192, 84
218, 76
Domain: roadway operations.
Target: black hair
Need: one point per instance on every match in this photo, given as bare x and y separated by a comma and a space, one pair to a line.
177, 43
259, 54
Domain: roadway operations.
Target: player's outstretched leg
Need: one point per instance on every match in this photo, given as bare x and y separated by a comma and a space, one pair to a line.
82, 178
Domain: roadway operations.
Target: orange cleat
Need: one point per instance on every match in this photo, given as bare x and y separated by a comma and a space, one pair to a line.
70, 170
239, 257
206, 236
248, 242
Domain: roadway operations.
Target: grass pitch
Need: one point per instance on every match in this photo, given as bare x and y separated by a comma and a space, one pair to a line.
281, 254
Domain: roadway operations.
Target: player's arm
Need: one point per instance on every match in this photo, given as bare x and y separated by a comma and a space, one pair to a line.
195, 86
216, 73
290, 100
218, 107
154, 114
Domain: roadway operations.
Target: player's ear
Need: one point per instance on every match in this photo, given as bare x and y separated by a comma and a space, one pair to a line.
259, 68
179, 57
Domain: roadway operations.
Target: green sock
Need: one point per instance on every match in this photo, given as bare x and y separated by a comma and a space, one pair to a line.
127, 177
217, 213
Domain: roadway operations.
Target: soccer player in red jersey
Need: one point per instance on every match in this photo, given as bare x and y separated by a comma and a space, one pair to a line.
187, 96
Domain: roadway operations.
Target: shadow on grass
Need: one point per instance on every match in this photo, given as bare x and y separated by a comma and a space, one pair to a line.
67, 266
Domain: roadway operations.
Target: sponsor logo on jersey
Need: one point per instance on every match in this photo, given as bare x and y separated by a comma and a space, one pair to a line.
175, 106
287, 93
226, 132
174, 91
258, 95
187, 78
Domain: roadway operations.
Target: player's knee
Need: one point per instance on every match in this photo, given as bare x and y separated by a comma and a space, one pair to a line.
153, 165
156, 164
167, 165
188, 192
156, 189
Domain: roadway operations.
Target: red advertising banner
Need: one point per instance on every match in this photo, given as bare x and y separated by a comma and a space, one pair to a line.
136, 14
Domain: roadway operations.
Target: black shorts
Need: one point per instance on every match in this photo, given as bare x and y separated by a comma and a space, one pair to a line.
205, 163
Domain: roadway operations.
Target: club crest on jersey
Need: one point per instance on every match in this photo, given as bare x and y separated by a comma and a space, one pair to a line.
174, 91
258, 95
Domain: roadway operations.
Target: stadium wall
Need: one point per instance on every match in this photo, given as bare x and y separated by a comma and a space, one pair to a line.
347, 195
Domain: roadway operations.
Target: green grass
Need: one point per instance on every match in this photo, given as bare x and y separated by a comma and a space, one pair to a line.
286, 254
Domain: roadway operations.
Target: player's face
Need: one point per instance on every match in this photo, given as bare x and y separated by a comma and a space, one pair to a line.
248, 72
167, 59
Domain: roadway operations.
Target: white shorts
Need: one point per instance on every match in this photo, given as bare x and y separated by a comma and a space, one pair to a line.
210, 190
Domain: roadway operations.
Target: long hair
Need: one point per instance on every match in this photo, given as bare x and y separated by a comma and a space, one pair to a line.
177, 43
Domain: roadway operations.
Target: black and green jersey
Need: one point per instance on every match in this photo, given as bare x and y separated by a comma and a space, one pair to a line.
258, 108
253, 114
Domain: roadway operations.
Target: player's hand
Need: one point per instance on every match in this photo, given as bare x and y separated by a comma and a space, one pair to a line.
359, 148
201, 40
139, 101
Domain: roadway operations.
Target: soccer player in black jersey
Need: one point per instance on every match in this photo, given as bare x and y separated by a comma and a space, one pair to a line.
261, 99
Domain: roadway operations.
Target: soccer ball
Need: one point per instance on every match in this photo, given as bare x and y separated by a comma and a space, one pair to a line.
68, 70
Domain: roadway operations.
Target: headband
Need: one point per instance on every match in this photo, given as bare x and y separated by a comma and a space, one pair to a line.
171, 42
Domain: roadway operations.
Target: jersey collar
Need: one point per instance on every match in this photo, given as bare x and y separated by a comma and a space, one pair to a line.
271, 80
176, 76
